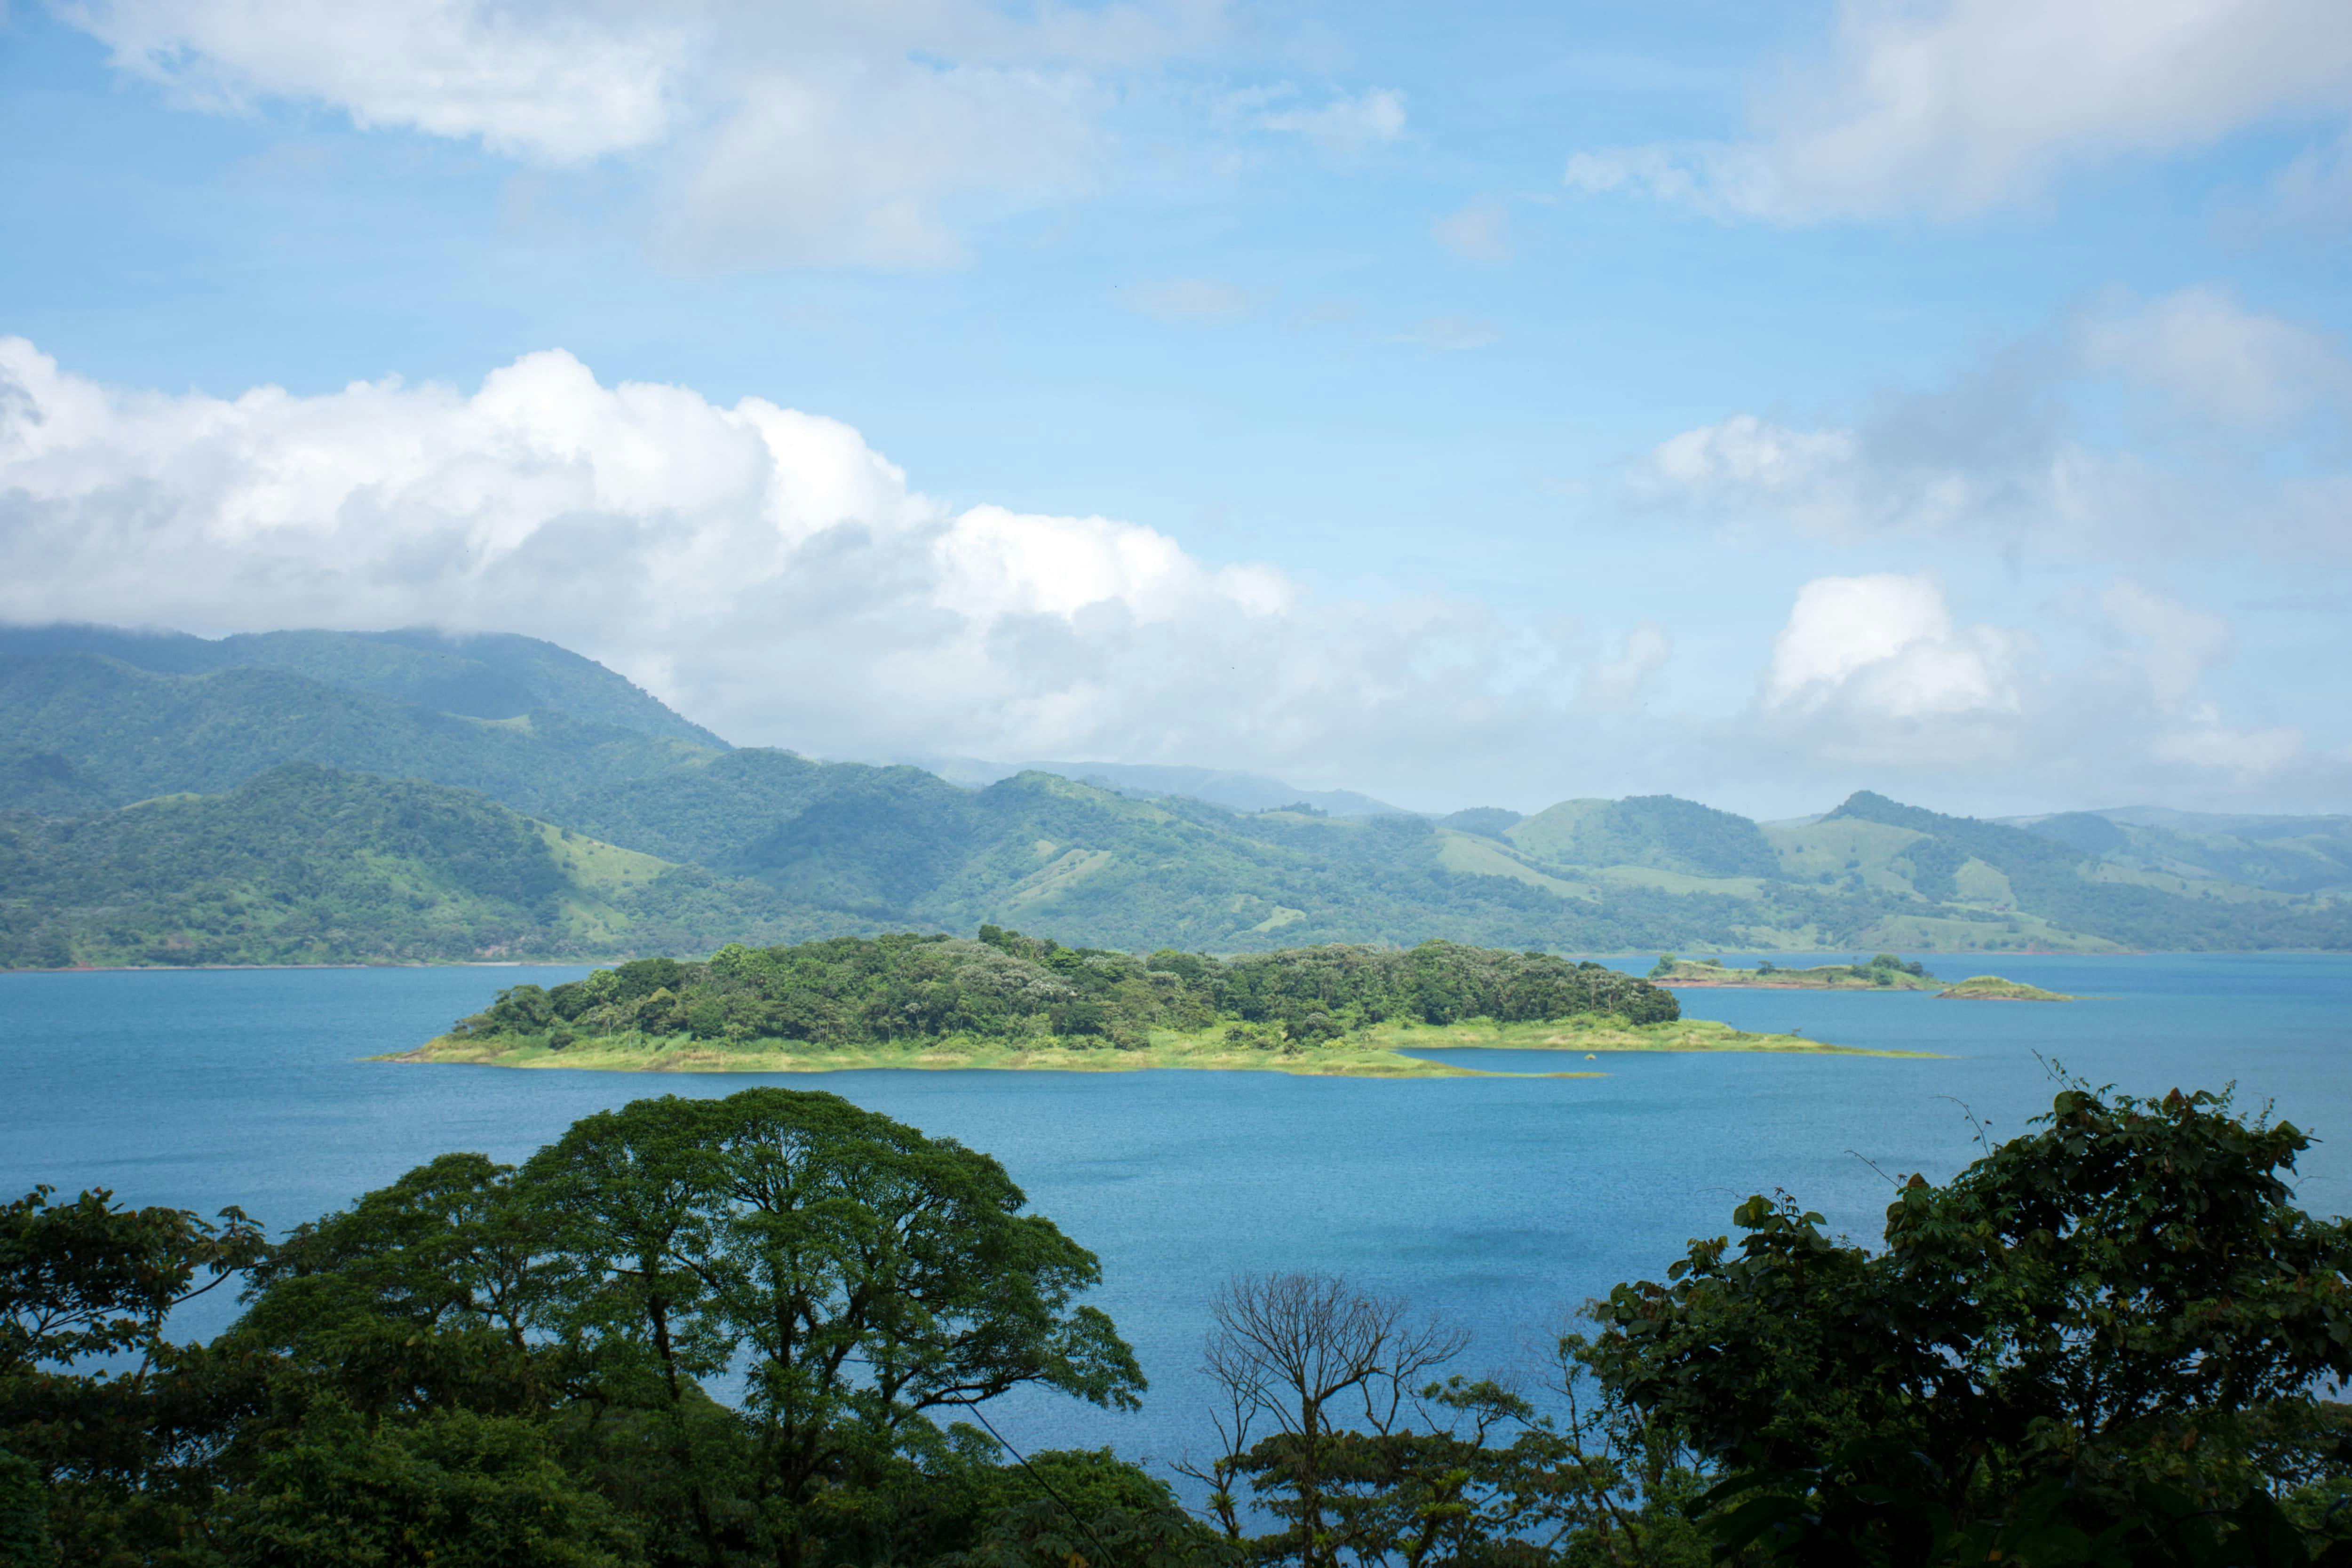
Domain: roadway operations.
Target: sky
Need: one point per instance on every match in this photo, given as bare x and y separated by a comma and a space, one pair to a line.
1488, 405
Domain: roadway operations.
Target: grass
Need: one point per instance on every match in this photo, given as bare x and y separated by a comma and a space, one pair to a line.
1374, 1052
1691, 972
1993, 988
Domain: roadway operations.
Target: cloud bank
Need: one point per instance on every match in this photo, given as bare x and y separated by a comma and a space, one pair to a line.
770, 573
2213, 397
763, 569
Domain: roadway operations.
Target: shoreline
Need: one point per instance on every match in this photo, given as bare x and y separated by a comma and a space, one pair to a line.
1379, 1052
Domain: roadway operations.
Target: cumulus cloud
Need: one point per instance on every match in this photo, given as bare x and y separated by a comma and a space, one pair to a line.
1946, 110
1884, 646
1877, 672
2003, 449
769, 572
764, 568
820, 130
544, 85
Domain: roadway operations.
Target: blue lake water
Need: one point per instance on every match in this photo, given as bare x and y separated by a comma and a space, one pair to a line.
1504, 1202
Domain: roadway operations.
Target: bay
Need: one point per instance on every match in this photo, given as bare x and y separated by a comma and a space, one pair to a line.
1504, 1202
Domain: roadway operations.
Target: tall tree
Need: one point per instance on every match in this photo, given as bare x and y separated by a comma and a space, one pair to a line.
864, 1278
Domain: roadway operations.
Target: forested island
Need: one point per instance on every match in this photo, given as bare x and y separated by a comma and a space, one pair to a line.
1006, 999
1885, 972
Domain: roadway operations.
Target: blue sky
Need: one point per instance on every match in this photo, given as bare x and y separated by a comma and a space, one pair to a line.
1500, 404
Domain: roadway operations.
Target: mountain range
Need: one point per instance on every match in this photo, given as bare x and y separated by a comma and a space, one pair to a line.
313, 796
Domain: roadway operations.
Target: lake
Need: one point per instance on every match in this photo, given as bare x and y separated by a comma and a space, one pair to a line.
1502, 1202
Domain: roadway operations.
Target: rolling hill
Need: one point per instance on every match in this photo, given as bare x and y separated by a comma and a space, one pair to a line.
299, 797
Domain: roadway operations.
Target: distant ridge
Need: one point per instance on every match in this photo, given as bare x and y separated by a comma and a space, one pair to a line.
1234, 790
487, 675
341, 796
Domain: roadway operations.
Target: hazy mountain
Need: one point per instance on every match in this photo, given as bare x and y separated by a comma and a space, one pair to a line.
280, 836
488, 676
2281, 854
133, 734
1218, 786
308, 865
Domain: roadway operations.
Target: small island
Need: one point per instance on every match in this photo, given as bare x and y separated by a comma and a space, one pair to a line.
1011, 1001
1885, 972
1993, 988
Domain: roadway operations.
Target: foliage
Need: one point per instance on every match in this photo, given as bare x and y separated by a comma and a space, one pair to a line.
123, 1447
2122, 1307
1653, 830
484, 675
103, 717
482, 1365
2097, 1345
305, 865
852, 990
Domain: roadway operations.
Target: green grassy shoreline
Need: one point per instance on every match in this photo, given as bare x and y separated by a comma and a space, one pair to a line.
1374, 1052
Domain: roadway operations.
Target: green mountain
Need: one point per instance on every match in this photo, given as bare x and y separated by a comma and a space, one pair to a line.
2282, 854
305, 865
47, 784
136, 734
488, 676
304, 810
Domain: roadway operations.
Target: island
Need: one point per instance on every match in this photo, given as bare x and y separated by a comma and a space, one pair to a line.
1005, 1000
1885, 972
1993, 988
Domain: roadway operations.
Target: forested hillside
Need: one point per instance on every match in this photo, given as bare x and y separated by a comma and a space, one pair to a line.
135, 733
488, 676
290, 847
304, 865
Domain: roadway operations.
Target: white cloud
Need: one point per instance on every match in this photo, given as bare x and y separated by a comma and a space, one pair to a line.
1345, 125
1884, 645
772, 576
1951, 107
2214, 358
538, 84
1618, 683
763, 568
2207, 745
821, 131
2000, 451
1479, 230
1199, 302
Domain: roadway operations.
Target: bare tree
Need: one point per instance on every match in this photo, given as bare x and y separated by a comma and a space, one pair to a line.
1306, 1358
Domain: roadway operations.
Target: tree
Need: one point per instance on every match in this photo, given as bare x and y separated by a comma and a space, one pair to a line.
2127, 1298
1304, 1358
862, 1276
125, 1452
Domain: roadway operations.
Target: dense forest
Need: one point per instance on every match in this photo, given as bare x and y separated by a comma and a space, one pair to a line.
669, 842
1005, 985
306, 865
766, 1329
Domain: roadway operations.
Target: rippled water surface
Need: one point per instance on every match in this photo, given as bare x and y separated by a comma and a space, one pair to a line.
1505, 1200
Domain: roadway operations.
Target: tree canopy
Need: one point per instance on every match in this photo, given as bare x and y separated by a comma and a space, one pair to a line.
855, 990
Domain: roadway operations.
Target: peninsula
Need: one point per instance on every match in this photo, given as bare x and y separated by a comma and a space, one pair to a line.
1011, 1001
1887, 972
